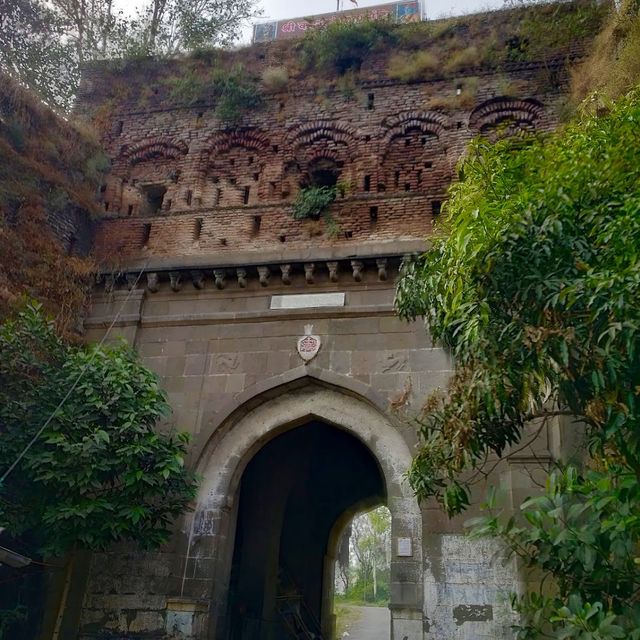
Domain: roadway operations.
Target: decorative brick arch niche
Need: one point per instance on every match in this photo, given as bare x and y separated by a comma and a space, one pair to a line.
240, 438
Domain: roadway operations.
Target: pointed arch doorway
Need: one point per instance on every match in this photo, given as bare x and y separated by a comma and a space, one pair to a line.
279, 477
292, 493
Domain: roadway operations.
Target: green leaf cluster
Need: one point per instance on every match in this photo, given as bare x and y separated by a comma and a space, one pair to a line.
236, 92
583, 532
101, 471
343, 46
313, 202
534, 287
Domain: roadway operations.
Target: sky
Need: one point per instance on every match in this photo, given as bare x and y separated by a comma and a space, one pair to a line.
278, 9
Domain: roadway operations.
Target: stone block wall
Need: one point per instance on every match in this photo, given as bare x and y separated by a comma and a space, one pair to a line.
198, 246
216, 351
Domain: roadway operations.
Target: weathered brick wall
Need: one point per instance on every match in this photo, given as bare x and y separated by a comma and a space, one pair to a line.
226, 188
396, 160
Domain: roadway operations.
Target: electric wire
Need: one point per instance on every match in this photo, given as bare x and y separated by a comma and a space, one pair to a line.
75, 384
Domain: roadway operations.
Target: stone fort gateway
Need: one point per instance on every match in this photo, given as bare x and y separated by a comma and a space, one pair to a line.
276, 338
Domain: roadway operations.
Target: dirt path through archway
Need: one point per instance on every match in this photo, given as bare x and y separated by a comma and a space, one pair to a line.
371, 623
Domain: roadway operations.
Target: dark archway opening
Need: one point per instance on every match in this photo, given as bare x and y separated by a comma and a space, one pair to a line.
323, 172
292, 493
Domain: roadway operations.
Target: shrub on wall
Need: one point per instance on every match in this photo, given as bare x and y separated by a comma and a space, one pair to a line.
408, 67
236, 92
313, 203
187, 88
343, 46
275, 79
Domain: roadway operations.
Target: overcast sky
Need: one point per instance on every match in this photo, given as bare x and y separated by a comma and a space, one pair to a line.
278, 9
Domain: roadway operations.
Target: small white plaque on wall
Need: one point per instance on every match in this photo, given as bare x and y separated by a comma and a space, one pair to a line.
307, 301
404, 548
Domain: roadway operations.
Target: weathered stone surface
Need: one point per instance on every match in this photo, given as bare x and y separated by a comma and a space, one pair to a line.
232, 280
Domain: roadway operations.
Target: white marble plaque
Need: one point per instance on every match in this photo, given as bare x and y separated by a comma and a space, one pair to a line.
307, 301
404, 548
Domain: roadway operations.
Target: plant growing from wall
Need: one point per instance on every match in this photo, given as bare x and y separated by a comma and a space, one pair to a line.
313, 203
343, 46
275, 79
237, 92
409, 67
187, 88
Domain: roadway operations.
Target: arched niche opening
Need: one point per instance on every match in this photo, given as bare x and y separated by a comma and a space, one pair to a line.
294, 494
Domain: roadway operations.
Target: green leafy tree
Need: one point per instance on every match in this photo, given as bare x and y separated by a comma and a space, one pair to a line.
45, 44
535, 289
33, 50
100, 471
370, 543
168, 27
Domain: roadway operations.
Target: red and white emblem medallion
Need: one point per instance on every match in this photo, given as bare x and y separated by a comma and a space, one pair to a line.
308, 344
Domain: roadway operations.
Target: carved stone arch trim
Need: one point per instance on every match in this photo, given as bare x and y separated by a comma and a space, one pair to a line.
229, 412
429, 122
251, 139
244, 431
527, 111
308, 133
148, 149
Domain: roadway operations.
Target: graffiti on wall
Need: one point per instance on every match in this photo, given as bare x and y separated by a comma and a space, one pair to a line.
398, 12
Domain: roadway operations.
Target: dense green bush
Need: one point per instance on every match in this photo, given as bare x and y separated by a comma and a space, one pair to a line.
100, 471
236, 92
343, 46
313, 202
535, 289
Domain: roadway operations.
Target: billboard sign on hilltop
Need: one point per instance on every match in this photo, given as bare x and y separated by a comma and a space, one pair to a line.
398, 12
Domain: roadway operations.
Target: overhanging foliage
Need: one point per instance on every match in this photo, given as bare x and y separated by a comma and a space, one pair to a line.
535, 289
101, 471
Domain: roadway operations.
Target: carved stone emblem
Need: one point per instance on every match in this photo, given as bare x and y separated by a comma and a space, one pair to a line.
308, 344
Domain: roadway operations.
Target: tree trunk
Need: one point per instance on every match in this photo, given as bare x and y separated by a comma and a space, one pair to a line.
375, 583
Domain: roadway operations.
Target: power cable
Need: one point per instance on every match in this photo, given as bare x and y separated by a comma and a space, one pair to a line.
75, 384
